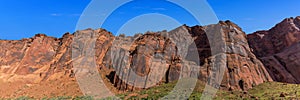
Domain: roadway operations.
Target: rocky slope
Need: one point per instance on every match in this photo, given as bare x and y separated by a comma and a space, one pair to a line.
278, 48
243, 70
27, 57
25, 65
203, 52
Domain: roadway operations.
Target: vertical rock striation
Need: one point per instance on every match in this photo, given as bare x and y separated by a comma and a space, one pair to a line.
278, 49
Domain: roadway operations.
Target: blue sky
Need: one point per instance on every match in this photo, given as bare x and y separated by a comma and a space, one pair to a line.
24, 18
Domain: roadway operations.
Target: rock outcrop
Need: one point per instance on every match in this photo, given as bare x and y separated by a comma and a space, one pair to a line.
147, 60
278, 49
25, 64
214, 53
243, 70
27, 57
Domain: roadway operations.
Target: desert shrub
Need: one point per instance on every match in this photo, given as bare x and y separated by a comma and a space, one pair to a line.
24, 98
83, 98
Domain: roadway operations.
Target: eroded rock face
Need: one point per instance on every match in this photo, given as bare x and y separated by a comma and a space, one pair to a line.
147, 60
154, 57
27, 56
278, 49
40, 60
243, 70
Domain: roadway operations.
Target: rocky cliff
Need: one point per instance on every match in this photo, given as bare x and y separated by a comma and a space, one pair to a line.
243, 70
278, 49
156, 57
156, 50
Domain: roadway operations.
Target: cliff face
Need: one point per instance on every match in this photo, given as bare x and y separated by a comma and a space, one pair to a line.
147, 60
243, 66
243, 70
278, 49
25, 64
156, 57
28, 56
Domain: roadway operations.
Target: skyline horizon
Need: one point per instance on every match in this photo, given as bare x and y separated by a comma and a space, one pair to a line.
147, 30
34, 34
23, 19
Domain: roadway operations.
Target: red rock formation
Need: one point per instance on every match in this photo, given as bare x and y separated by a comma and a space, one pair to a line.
158, 57
27, 55
243, 69
41, 60
277, 48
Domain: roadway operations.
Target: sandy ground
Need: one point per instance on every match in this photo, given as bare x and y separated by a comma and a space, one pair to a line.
62, 86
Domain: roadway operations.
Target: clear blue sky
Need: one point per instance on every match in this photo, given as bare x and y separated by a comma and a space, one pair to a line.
24, 18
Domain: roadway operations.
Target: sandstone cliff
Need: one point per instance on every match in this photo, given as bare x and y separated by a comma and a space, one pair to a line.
278, 49
156, 57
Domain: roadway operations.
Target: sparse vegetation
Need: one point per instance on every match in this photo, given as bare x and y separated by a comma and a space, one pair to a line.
24, 98
83, 98
269, 90
53, 98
